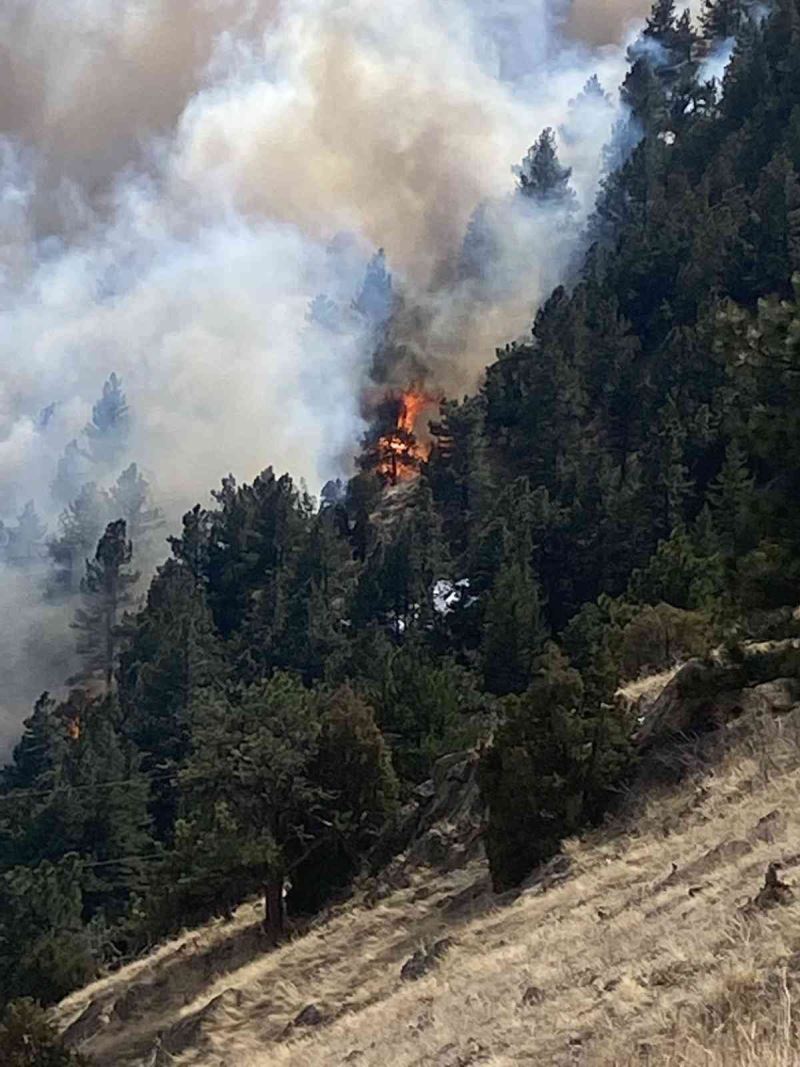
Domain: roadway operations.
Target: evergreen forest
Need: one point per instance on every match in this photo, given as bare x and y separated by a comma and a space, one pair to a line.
620, 492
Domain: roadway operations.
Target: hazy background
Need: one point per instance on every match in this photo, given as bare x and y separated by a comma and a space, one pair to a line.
179, 179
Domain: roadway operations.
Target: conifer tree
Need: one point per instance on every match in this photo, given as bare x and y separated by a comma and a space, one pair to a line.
375, 298
721, 20
106, 591
80, 527
25, 539
251, 753
550, 762
44, 945
71, 473
513, 629
131, 501
192, 548
542, 179
29, 1039
172, 656
732, 498
107, 432
660, 23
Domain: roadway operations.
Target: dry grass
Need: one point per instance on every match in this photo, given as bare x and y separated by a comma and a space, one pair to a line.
626, 961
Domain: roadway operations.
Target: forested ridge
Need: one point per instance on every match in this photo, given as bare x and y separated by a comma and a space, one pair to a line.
620, 492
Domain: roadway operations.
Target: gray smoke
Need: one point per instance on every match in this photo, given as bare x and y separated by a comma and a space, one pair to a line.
179, 179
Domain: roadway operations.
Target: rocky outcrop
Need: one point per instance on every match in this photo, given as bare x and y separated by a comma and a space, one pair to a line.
424, 960
442, 828
755, 678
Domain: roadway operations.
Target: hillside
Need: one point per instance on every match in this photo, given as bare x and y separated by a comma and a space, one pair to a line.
640, 944
525, 582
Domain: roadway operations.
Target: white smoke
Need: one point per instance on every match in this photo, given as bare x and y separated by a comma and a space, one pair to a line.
175, 180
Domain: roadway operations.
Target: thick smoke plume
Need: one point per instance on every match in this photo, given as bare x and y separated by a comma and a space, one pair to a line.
181, 179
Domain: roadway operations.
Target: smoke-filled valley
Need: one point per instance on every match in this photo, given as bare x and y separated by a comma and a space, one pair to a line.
398, 459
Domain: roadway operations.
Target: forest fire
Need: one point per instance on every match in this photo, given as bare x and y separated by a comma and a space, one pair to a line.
393, 450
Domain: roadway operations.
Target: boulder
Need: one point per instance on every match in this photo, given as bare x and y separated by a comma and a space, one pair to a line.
95, 1017
309, 1016
191, 1030
424, 960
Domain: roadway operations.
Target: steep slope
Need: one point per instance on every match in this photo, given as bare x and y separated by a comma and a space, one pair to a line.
641, 944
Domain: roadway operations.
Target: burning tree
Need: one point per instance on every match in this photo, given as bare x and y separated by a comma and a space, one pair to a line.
391, 448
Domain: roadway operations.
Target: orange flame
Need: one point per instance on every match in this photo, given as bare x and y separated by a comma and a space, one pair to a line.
400, 454
74, 728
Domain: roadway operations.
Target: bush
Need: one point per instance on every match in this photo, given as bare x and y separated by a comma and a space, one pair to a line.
550, 770
658, 636
28, 1039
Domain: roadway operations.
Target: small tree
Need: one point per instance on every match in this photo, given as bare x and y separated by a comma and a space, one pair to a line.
542, 179
721, 20
80, 526
353, 769
131, 500
26, 537
251, 752
29, 1039
107, 433
106, 590
548, 769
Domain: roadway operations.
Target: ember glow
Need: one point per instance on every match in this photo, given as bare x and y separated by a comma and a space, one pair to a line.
399, 453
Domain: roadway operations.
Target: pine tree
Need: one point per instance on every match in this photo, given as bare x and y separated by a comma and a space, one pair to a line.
251, 752
353, 770
481, 246
546, 772
80, 527
106, 591
71, 473
721, 20
643, 94
660, 23
44, 944
375, 299
542, 179
192, 548
131, 501
172, 656
29, 1039
25, 539
107, 433
732, 498
513, 629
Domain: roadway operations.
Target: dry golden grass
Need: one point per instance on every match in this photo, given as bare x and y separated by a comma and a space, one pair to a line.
625, 961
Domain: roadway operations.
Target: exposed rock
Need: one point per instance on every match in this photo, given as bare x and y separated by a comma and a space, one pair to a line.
778, 695
547, 875
774, 891
424, 960
532, 995
768, 828
690, 702
755, 678
92, 1019
158, 1056
452, 1055
477, 896
432, 848
723, 853
191, 1031
309, 1016
442, 828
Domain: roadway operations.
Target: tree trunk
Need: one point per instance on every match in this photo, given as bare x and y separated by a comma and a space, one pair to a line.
274, 925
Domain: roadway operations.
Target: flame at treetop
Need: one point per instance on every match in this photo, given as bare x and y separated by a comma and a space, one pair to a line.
398, 453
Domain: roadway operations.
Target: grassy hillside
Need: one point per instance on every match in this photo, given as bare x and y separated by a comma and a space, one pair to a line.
639, 945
